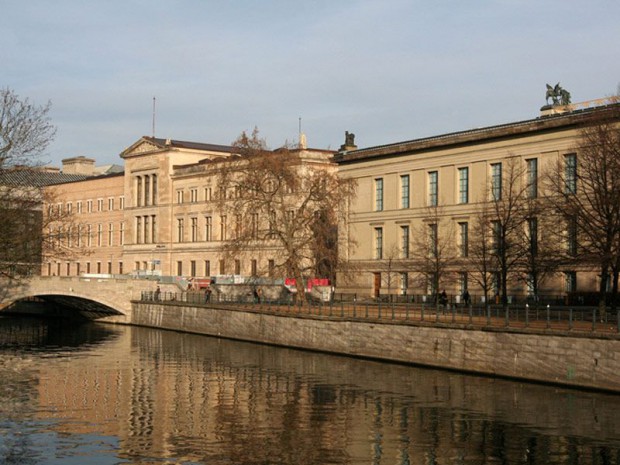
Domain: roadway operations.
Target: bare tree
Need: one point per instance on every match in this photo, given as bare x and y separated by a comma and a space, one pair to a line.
25, 130
25, 133
480, 258
434, 252
287, 204
585, 188
508, 217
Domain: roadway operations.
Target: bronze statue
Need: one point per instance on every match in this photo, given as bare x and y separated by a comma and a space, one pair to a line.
349, 139
558, 95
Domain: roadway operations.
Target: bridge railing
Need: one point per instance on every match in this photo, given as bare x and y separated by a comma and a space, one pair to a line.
525, 317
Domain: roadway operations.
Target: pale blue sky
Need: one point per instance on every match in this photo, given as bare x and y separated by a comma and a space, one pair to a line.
386, 70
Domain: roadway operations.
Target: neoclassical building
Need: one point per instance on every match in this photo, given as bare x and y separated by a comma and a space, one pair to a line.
406, 188
159, 216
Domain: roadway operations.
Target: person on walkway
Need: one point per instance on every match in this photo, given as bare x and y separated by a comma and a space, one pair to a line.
466, 298
443, 298
207, 294
157, 293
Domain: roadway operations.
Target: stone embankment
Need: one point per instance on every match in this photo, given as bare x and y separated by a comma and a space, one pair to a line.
542, 354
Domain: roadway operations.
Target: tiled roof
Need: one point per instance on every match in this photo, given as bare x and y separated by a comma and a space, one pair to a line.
35, 177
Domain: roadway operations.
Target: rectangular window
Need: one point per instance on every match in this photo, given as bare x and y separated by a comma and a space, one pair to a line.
193, 193
99, 235
192, 268
570, 173
110, 204
99, 205
136, 266
532, 178
570, 278
462, 282
120, 267
110, 234
208, 228
496, 231
194, 229
378, 243
533, 235
89, 206
179, 268
88, 267
433, 188
404, 191
179, 196
109, 267
404, 283
254, 268
223, 228
237, 267
79, 206
271, 267
138, 191
89, 235
77, 269
222, 267
69, 208
121, 203
463, 185
496, 181
138, 230
208, 194
571, 237
147, 230
404, 242
254, 225
180, 229
207, 267
121, 234
464, 239
98, 267
432, 240
379, 194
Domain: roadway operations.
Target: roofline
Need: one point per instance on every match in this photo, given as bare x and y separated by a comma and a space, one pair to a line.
472, 136
91, 178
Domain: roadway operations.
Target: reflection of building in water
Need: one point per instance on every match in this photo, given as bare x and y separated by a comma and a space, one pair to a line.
199, 399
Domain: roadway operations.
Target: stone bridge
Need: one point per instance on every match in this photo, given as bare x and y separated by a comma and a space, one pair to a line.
93, 298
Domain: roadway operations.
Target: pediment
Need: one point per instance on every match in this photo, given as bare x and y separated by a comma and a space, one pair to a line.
141, 147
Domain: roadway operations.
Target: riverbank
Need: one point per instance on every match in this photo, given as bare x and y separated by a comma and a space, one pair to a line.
534, 354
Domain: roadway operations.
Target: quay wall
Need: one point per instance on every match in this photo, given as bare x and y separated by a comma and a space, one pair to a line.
566, 359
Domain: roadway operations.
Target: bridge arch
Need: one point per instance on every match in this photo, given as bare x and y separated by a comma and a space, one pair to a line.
107, 299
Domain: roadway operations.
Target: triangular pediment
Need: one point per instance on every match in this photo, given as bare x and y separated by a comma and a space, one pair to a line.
141, 147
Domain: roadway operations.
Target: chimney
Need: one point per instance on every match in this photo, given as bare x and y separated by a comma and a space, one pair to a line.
79, 165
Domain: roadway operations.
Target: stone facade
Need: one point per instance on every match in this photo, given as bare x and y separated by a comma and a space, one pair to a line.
399, 184
159, 217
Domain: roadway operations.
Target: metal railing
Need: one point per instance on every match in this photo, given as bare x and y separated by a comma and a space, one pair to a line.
526, 317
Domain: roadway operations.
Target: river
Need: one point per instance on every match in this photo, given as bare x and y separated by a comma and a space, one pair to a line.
103, 394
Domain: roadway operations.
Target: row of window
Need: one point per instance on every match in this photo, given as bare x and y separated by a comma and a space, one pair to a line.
463, 238
570, 283
531, 174
76, 269
145, 190
91, 207
84, 235
223, 267
206, 231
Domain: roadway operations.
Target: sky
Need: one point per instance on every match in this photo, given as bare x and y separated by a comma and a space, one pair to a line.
385, 70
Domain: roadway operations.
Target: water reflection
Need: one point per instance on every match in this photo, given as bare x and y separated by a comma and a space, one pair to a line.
151, 396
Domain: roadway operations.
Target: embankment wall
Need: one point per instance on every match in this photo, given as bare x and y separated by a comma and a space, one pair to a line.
568, 359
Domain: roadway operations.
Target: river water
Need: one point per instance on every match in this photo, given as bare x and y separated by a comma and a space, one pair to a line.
102, 394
